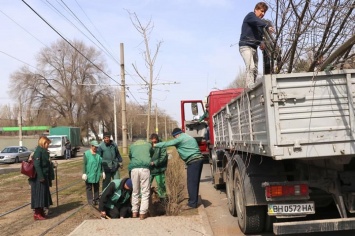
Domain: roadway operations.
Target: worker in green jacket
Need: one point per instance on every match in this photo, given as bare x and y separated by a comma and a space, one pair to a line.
190, 153
92, 171
111, 159
115, 200
140, 153
158, 166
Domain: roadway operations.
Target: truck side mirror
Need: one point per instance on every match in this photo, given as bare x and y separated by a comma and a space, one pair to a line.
194, 108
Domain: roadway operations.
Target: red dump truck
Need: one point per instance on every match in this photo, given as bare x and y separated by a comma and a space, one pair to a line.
192, 110
285, 152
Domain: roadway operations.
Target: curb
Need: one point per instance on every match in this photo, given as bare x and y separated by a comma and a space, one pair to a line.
202, 213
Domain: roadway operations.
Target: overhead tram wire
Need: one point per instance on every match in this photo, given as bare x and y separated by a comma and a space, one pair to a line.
18, 60
90, 40
95, 38
24, 29
88, 30
70, 43
61, 14
92, 23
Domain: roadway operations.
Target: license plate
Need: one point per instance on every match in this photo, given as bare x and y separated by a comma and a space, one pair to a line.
291, 209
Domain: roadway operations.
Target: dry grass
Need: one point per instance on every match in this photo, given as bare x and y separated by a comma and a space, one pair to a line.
15, 184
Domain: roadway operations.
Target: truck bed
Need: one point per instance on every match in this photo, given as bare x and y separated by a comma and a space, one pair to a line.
290, 116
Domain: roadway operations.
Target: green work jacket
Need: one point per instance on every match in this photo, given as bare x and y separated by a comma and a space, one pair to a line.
92, 167
160, 159
140, 153
116, 198
186, 146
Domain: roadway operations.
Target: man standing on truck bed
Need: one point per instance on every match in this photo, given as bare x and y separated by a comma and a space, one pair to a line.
190, 153
252, 37
111, 159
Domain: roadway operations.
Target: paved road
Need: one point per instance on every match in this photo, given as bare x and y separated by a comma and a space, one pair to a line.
216, 208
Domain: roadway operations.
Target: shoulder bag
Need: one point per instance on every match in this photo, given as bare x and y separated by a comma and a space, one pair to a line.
28, 169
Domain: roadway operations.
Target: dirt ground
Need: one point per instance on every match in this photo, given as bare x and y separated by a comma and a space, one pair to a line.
15, 192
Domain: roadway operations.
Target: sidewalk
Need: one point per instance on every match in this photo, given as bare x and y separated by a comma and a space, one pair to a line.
195, 225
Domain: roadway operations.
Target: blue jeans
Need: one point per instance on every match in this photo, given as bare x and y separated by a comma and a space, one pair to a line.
194, 170
251, 60
67, 153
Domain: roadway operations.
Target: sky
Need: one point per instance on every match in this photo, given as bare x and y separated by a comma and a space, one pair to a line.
199, 52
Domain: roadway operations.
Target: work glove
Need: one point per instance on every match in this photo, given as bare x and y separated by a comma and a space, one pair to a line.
84, 177
103, 175
121, 165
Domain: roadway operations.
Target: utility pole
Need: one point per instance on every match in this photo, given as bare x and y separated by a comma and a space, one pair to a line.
115, 116
156, 119
123, 99
20, 122
166, 133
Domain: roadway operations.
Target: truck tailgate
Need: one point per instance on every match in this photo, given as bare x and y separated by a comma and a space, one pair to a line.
287, 116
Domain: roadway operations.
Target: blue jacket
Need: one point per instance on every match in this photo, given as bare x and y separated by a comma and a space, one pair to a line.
252, 31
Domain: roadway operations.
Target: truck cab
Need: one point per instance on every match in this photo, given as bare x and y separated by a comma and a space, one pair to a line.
57, 146
192, 110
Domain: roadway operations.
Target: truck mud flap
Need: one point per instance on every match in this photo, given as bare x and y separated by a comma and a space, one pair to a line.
314, 226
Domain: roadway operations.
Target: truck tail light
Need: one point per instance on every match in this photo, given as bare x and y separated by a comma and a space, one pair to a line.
274, 191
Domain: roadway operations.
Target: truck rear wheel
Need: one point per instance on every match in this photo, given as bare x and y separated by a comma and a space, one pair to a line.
250, 218
230, 191
215, 169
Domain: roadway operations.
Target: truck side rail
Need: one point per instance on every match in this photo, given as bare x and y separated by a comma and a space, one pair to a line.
291, 116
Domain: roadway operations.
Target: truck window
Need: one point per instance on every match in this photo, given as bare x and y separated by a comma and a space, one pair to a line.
55, 141
188, 111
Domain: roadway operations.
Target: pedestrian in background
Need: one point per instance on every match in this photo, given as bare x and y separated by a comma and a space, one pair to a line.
40, 193
158, 166
115, 200
92, 170
140, 153
111, 159
251, 37
67, 150
190, 153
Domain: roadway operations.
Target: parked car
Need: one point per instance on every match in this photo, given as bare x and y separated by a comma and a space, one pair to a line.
14, 154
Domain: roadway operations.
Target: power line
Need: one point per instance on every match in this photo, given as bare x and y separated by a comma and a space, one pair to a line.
23, 28
18, 60
77, 18
70, 43
73, 14
91, 22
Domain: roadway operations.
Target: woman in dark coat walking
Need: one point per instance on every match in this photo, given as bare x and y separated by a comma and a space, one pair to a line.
40, 193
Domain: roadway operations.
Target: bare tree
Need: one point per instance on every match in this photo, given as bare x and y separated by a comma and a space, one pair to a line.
308, 32
239, 81
149, 56
57, 84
